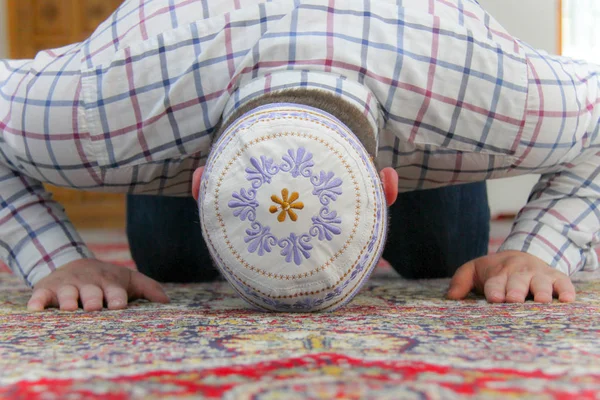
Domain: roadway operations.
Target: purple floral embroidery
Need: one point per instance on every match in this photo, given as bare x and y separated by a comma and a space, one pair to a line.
296, 247
324, 224
261, 172
244, 204
336, 292
260, 238
264, 299
326, 187
298, 163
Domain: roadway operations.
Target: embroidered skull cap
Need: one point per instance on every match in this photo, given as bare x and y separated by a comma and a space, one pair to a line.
292, 209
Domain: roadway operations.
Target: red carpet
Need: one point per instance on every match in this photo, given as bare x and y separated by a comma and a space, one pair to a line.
396, 340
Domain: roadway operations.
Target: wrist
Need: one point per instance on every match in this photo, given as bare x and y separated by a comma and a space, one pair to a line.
67, 257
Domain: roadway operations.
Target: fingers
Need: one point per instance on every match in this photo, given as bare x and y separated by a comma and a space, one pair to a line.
147, 288
495, 288
40, 299
541, 289
510, 277
517, 287
91, 284
68, 298
462, 282
116, 297
564, 289
91, 297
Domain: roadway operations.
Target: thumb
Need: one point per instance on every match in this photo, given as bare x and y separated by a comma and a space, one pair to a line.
462, 282
144, 287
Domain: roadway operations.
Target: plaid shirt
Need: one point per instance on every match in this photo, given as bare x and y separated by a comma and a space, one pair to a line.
453, 96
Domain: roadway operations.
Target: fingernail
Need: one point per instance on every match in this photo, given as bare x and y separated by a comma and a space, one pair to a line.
117, 303
566, 298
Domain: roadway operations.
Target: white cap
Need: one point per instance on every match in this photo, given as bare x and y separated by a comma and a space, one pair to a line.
292, 209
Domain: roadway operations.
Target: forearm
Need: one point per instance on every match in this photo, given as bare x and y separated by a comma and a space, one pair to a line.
560, 224
36, 237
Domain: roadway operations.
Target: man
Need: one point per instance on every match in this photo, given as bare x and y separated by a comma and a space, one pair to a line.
452, 98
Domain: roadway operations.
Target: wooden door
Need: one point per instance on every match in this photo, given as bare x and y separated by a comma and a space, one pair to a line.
36, 25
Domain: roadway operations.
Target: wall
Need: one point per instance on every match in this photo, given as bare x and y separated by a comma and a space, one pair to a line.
535, 22
581, 29
3, 30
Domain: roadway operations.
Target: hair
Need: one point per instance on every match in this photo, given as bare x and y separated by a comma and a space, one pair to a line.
325, 101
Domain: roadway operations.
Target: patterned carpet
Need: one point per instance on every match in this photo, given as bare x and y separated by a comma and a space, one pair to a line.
396, 340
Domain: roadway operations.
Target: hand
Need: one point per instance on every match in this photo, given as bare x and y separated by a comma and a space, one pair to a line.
509, 276
93, 283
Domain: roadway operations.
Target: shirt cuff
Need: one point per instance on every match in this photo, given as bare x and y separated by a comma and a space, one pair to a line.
49, 243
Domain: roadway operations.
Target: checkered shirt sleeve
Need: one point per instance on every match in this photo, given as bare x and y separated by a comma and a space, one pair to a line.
35, 235
560, 222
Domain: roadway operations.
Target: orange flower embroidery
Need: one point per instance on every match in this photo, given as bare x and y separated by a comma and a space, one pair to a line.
286, 205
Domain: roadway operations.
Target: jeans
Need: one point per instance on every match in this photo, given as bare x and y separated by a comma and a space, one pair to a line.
431, 234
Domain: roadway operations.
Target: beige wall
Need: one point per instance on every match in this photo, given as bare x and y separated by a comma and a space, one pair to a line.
533, 21
3, 30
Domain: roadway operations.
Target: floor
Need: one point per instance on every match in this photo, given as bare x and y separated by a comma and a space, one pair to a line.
396, 339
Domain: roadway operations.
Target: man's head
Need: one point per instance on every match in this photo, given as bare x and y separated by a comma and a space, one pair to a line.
346, 113
292, 208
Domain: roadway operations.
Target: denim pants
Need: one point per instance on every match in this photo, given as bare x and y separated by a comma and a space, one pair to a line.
431, 234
